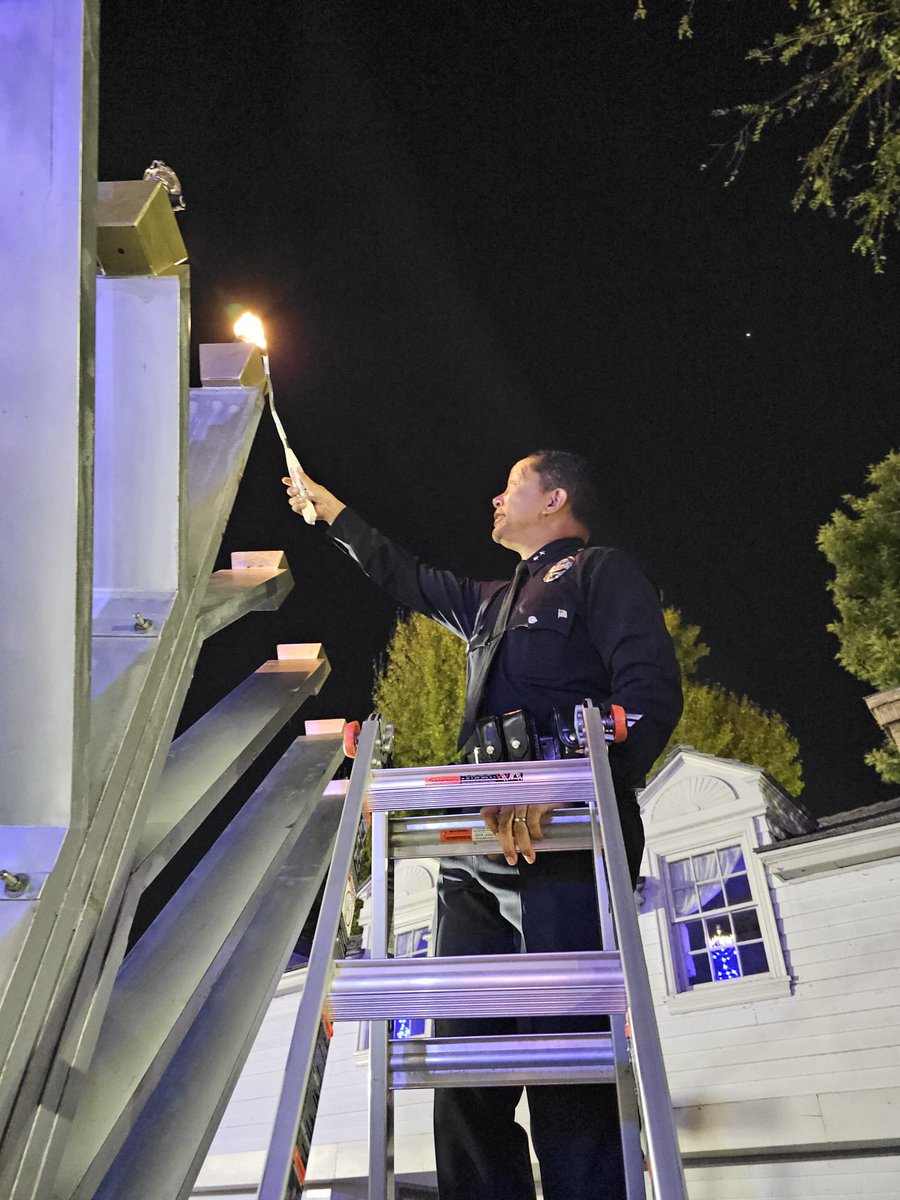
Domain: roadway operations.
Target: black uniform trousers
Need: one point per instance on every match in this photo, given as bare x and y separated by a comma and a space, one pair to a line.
488, 907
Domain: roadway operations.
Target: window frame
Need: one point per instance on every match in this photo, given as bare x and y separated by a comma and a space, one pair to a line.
679, 995
726, 913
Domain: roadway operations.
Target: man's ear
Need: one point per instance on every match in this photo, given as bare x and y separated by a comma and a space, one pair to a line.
556, 500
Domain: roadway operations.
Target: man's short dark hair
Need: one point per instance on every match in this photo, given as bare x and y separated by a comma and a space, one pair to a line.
561, 468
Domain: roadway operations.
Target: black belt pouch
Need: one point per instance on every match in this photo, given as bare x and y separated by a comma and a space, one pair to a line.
518, 734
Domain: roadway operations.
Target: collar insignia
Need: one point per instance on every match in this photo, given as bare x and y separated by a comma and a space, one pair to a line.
559, 568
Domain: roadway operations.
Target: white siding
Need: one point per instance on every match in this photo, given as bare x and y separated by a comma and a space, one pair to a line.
840, 1179
820, 1065
817, 1068
238, 1150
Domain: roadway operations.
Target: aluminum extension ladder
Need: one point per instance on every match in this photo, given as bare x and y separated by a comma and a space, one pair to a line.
381, 989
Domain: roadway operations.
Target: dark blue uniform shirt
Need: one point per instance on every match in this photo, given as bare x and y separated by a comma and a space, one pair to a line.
587, 623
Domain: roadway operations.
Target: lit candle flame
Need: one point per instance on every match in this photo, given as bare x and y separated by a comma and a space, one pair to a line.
249, 328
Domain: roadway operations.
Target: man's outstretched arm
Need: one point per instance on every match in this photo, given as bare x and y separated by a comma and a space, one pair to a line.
450, 600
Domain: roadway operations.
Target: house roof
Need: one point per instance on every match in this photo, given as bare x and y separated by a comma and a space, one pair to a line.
787, 817
790, 831
851, 820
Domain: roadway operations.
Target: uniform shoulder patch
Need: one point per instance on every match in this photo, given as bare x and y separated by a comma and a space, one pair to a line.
559, 568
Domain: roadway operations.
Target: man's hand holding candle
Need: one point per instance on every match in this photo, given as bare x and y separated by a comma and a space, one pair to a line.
327, 506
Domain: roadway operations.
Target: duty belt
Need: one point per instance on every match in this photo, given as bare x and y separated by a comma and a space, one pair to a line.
515, 736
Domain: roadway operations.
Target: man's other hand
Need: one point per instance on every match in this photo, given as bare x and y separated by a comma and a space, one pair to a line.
518, 827
327, 506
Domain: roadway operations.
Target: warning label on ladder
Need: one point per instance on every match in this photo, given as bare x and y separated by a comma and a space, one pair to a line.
478, 833
493, 777
456, 835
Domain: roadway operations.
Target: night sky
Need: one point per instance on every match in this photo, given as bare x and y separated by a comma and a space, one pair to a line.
477, 228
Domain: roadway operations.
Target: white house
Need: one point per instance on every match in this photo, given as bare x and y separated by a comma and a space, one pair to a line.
772, 948
785, 1076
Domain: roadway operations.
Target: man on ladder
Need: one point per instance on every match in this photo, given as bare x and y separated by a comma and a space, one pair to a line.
576, 621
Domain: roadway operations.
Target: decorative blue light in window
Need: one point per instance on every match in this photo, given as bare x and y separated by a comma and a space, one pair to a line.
724, 956
408, 1027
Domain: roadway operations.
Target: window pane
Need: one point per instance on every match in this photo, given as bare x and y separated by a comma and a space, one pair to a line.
701, 969
402, 944
731, 860
705, 866
680, 872
753, 958
695, 935
746, 925
420, 942
718, 927
408, 1027
725, 961
711, 896
737, 889
685, 899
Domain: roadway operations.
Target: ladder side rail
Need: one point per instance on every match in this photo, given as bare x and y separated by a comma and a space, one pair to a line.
667, 1173
626, 1094
381, 1096
318, 975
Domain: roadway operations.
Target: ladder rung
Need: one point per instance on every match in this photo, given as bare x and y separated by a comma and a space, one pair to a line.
442, 836
532, 1058
504, 985
473, 785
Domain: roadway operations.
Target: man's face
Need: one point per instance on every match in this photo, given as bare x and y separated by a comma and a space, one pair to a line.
517, 510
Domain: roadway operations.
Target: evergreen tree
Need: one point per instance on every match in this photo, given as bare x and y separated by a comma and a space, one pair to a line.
863, 546
718, 722
688, 648
420, 689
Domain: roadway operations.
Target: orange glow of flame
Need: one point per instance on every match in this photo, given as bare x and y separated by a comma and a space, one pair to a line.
249, 328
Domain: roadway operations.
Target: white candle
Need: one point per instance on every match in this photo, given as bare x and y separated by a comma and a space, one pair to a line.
249, 329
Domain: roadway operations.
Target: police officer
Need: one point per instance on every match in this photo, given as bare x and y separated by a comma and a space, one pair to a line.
577, 621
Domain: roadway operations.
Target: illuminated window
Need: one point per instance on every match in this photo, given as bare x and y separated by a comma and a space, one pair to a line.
411, 943
408, 943
715, 920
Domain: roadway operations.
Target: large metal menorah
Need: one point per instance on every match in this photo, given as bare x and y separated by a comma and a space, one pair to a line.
116, 483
